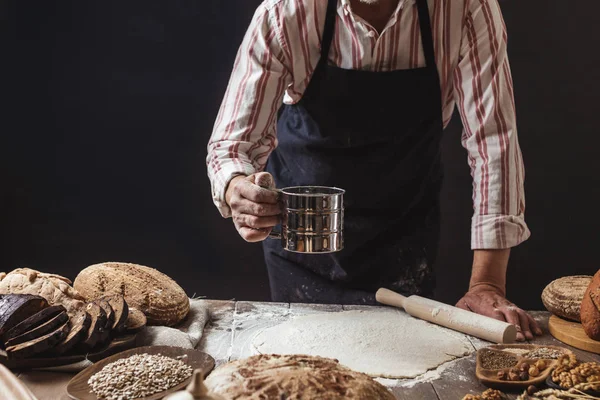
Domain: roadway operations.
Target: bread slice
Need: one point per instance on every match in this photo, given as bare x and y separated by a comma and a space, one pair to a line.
121, 311
96, 329
32, 322
79, 325
110, 319
18, 307
39, 345
136, 320
39, 331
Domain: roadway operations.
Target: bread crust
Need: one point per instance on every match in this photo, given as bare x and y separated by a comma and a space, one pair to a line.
590, 309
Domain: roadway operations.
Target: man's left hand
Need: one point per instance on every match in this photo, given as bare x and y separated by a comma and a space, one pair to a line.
490, 302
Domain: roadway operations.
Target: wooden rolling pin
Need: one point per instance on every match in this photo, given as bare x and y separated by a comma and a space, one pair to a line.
460, 320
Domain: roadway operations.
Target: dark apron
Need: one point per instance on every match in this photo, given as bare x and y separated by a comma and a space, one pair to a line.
376, 135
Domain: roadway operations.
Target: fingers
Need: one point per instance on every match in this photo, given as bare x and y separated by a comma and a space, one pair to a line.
535, 328
512, 317
524, 319
244, 206
255, 222
248, 190
264, 179
253, 235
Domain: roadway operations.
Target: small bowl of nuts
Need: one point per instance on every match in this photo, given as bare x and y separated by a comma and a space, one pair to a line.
571, 374
517, 366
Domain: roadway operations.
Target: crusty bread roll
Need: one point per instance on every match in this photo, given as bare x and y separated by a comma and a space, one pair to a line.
563, 296
159, 297
293, 377
590, 309
55, 289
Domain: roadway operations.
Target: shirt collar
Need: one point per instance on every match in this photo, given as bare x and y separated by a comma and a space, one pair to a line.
344, 6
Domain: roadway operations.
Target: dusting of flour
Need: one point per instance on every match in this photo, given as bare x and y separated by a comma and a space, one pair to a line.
385, 343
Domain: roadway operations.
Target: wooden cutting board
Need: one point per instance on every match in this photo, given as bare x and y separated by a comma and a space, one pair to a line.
572, 333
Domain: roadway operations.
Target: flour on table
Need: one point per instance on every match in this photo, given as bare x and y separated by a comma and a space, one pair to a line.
387, 343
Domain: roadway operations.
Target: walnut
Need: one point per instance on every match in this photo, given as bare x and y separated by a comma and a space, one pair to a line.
472, 397
491, 394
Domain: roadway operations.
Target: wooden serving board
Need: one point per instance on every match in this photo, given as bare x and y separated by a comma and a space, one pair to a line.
489, 377
572, 333
117, 344
79, 389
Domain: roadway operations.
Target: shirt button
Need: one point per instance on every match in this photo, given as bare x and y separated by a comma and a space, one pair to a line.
371, 34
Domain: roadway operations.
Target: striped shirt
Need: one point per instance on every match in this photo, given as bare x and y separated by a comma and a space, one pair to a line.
282, 48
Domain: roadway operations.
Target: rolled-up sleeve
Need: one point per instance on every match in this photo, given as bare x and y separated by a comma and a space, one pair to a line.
244, 131
484, 94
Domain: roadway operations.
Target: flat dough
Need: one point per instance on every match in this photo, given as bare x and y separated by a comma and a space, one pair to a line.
388, 343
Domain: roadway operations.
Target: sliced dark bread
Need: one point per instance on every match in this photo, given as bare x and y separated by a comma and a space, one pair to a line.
34, 321
17, 307
110, 319
121, 311
96, 329
39, 345
79, 324
40, 330
136, 320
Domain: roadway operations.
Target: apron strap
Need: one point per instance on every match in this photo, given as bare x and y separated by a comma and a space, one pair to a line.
328, 30
426, 36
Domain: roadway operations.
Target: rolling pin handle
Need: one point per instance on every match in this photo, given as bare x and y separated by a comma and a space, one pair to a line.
387, 297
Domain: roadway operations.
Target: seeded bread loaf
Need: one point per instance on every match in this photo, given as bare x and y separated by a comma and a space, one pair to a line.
562, 297
590, 309
159, 297
292, 377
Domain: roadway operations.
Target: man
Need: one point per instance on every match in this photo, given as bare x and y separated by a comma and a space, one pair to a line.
367, 87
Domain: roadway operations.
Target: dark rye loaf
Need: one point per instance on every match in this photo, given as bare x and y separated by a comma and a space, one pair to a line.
590, 309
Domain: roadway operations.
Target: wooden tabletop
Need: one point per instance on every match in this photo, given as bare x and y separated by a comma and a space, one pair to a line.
233, 325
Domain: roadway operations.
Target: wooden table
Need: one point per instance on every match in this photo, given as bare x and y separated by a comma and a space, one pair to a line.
233, 325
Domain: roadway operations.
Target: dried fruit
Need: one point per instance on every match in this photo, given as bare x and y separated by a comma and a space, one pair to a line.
523, 366
502, 375
514, 376
533, 371
524, 376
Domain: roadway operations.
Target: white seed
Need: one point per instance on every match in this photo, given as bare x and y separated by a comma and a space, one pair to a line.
140, 375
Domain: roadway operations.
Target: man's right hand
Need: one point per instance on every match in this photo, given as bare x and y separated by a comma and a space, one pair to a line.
255, 210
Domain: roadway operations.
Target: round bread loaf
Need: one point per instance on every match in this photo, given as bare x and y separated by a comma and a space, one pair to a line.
590, 309
293, 377
563, 296
159, 297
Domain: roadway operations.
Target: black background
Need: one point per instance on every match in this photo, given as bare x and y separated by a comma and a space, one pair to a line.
109, 106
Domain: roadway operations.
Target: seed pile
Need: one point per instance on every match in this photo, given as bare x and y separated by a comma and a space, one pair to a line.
545, 352
517, 351
497, 360
140, 375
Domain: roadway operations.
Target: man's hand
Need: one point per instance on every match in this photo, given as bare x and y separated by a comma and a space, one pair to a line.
255, 209
487, 293
489, 302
